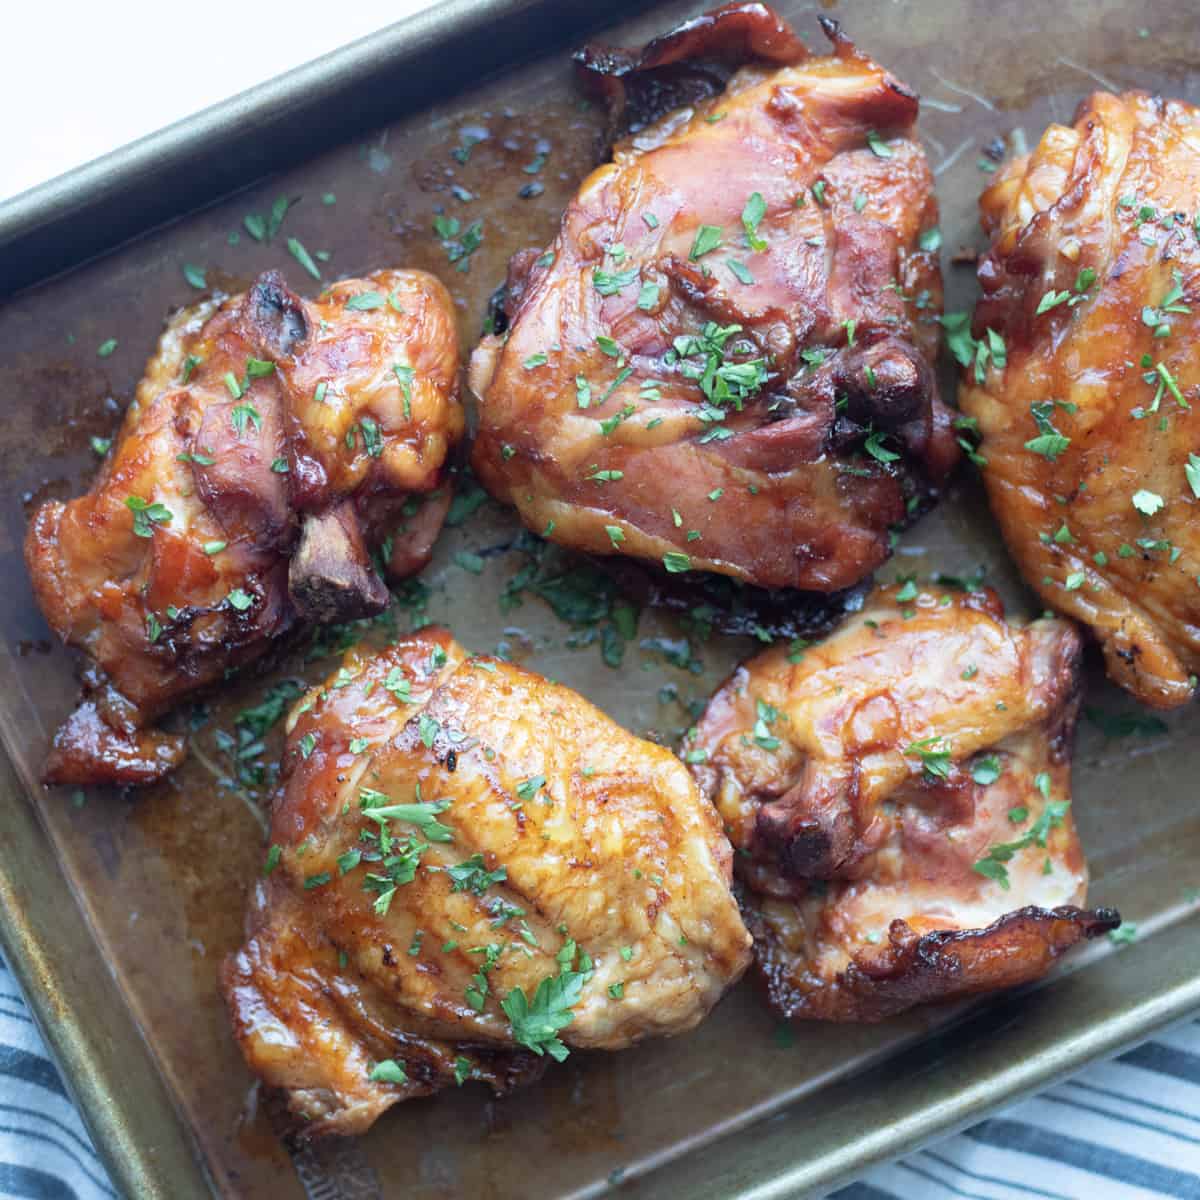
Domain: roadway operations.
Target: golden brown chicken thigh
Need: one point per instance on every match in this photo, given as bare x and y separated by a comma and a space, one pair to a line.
1088, 425
899, 796
723, 361
270, 443
471, 868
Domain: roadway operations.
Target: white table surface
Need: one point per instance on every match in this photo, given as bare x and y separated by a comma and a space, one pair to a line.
81, 78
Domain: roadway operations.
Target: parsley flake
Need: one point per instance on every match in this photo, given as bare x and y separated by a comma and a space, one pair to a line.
708, 238
752, 215
1146, 502
388, 1071
934, 753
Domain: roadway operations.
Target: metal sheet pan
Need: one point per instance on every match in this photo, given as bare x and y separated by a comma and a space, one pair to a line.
117, 909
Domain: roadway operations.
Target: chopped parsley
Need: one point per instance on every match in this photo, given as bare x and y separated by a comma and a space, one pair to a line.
875, 448
278, 212
428, 728
423, 815
530, 787
752, 214
987, 770
647, 299
608, 284
708, 238
992, 865
536, 1022
404, 377
1147, 503
958, 337
388, 1071
473, 876
398, 684
244, 415
1049, 443
722, 381
934, 753
240, 600
365, 302
147, 515
458, 243
765, 716
878, 146
302, 256
739, 271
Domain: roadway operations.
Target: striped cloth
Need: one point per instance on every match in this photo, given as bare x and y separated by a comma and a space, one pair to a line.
1122, 1130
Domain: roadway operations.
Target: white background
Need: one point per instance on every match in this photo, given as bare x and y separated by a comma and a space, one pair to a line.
80, 79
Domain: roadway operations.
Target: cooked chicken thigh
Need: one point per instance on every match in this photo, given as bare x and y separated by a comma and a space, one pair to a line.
471, 867
1091, 287
899, 795
271, 441
723, 361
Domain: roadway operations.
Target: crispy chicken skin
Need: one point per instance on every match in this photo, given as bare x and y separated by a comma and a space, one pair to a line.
1093, 281
270, 442
536, 849
867, 783
761, 405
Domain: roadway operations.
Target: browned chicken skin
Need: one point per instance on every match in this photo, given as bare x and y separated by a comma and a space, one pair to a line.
1093, 284
894, 794
475, 868
723, 361
270, 442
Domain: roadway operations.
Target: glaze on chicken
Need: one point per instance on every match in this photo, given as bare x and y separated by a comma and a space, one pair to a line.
1092, 288
271, 442
471, 868
899, 797
723, 361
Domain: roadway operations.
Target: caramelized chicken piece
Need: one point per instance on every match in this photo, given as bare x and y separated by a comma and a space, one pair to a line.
271, 441
472, 867
900, 799
1092, 287
723, 361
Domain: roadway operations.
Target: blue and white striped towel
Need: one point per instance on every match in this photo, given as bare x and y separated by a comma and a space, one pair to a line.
1122, 1130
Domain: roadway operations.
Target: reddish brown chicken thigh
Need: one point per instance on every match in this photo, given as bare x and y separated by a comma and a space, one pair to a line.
271, 442
723, 361
900, 799
1092, 284
472, 869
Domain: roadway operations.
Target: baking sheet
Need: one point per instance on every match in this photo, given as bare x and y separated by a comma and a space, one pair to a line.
161, 876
